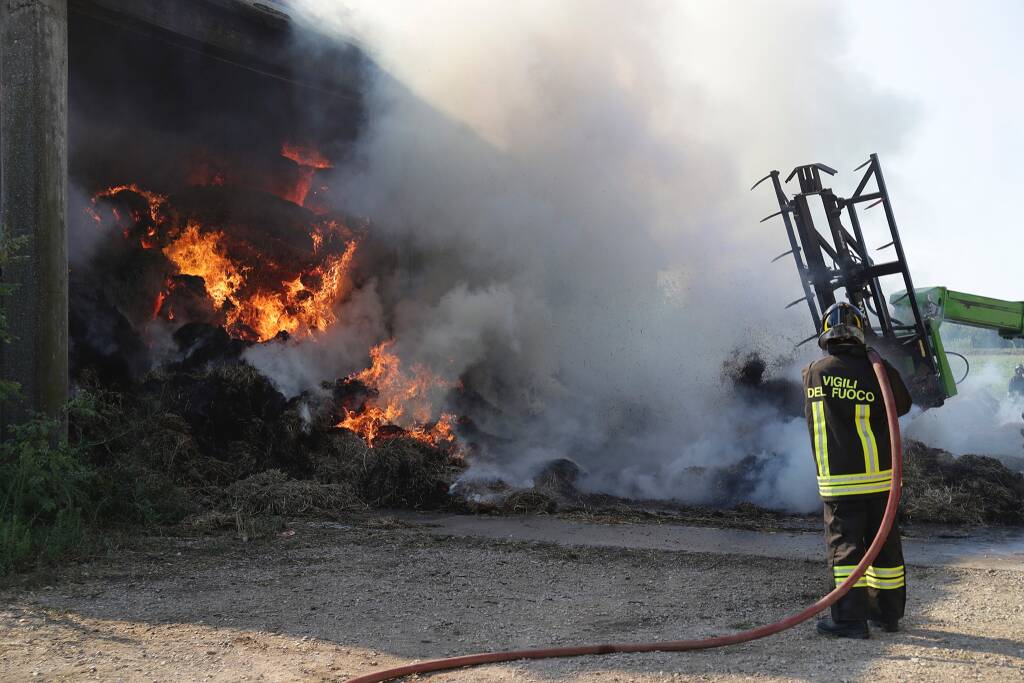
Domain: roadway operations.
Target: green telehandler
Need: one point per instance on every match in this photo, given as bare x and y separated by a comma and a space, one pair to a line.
908, 334
939, 305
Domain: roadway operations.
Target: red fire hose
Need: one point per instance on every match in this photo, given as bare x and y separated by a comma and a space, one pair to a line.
680, 645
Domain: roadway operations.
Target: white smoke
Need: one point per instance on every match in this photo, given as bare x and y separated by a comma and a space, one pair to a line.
981, 419
295, 367
567, 183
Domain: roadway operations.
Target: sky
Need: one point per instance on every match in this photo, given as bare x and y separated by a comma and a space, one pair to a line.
956, 178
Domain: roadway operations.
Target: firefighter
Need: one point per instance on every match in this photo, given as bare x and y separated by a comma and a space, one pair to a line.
849, 433
1017, 382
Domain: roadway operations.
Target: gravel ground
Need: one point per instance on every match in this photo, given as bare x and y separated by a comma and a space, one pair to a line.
327, 603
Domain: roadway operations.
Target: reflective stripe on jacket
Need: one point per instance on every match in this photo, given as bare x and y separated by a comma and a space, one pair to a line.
847, 422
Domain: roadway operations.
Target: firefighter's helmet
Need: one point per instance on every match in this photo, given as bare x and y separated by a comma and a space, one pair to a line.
842, 322
1020, 369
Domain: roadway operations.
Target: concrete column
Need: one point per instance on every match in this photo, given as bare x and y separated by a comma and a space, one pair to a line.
33, 199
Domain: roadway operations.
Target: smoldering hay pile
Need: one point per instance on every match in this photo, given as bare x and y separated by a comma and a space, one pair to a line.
537, 249
569, 185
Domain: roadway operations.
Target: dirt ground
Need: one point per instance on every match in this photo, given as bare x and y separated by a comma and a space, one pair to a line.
334, 600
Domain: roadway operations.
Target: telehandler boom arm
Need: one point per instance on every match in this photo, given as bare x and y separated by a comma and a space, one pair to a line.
939, 305
833, 260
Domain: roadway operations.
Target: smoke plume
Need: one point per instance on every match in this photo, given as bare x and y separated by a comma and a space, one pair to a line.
566, 187
980, 419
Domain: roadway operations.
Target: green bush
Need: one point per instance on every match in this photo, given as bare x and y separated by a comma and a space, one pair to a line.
43, 492
42, 484
52, 494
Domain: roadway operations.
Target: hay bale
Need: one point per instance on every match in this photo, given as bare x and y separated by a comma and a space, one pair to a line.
137, 454
240, 423
226, 403
731, 485
404, 472
529, 502
208, 522
340, 458
970, 489
557, 479
250, 527
273, 493
478, 496
261, 501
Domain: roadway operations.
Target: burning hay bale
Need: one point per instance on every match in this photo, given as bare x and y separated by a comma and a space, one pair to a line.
229, 400
971, 489
201, 343
195, 271
222, 433
201, 256
102, 338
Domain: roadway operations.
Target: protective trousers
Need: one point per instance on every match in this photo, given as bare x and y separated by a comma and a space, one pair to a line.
850, 526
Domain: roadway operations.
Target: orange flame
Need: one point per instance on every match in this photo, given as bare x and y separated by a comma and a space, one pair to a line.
441, 433
154, 200
158, 303
254, 310
304, 156
403, 396
309, 162
404, 399
296, 308
203, 254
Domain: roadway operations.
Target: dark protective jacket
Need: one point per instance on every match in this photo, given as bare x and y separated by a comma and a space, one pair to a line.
847, 422
1017, 385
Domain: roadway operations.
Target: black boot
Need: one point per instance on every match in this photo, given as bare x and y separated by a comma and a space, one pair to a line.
889, 626
843, 629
